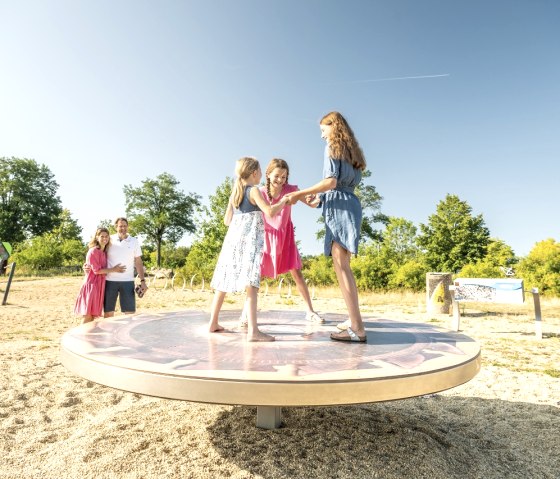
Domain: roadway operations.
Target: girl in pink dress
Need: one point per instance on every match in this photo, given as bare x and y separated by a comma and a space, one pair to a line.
280, 253
89, 303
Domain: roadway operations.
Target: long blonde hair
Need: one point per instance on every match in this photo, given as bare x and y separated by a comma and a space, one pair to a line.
94, 243
275, 163
342, 142
244, 168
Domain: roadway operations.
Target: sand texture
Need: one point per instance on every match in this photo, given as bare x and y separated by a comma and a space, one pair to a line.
505, 423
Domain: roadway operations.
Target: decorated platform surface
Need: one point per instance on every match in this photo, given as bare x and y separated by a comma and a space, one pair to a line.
172, 355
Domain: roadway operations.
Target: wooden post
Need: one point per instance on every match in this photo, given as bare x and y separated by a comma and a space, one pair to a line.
438, 297
12, 269
538, 316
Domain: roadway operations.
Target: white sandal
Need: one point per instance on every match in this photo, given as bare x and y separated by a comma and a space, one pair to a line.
313, 317
344, 325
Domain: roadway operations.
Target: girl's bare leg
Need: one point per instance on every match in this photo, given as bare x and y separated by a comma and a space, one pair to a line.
217, 302
302, 288
253, 333
88, 318
347, 284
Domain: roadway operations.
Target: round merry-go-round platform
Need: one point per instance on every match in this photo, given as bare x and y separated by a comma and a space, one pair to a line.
172, 355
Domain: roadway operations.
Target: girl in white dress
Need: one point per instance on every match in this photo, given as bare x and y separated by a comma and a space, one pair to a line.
239, 263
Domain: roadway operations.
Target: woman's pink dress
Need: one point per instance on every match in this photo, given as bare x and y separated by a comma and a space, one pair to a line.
90, 298
280, 250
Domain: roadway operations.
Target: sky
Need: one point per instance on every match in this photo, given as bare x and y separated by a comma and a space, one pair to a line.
444, 97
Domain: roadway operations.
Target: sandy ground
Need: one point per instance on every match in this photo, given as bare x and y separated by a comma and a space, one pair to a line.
505, 423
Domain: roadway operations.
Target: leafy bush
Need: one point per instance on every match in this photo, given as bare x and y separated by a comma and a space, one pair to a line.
541, 268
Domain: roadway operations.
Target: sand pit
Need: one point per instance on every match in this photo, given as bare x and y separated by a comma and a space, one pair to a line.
53, 424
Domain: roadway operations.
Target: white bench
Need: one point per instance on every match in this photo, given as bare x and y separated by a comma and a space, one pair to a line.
492, 290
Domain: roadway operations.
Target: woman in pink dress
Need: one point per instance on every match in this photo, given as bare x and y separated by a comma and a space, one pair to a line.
89, 303
280, 250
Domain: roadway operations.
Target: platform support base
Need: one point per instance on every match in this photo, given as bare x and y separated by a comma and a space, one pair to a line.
269, 417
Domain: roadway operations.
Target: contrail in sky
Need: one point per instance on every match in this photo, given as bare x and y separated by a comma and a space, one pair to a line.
398, 78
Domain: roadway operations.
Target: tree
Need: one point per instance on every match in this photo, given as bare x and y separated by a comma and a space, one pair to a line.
210, 233
159, 211
68, 228
496, 264
541, 267
453, 237
400, 241
371, 207
28, 202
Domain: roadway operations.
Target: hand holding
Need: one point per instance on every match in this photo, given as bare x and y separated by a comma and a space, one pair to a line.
312, 200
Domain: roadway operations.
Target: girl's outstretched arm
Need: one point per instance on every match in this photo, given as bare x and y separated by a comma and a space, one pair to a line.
269, 210
325, 184
229, 213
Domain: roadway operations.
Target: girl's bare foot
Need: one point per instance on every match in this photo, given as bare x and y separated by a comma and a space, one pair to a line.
216, 329
259, 336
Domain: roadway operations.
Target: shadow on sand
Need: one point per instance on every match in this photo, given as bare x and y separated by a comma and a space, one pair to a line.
433, 437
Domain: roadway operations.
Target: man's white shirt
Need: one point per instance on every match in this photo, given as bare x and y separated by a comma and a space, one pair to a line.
123, 252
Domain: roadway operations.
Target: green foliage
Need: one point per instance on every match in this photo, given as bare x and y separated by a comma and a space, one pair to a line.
371, 208
28, 202
541, 268
73, 252
62, 246
319, 270
110, 225
48, 252
211, 232
39, 253
68, 228
453, 237
410, 275
159, 211
498, 258
481, 269
173, 258
371, 269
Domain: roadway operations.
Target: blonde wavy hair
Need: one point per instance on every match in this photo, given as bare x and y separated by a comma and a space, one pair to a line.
342, 142
244, 168
94, 243
275, 163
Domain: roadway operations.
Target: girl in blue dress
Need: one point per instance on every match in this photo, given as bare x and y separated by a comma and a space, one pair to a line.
239, 263
342, 171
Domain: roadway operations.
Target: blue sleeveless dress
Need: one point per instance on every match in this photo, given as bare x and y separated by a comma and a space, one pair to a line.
239, 263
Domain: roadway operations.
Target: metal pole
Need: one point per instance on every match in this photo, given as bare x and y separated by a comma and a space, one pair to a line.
538, 316
12, 269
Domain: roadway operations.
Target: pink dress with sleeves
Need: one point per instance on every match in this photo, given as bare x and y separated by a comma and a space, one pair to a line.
280, 250
90, 297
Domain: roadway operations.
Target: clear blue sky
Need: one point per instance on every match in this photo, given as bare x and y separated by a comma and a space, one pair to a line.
444, 96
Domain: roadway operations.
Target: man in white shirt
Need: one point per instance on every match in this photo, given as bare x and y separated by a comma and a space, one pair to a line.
125, 250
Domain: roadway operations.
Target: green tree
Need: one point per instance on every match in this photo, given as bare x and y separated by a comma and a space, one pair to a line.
29, 205
39, 253
453, 237
541, 267
496, 264
371, 208
159, 211
210, 233
68, 228
319, 270
400, 241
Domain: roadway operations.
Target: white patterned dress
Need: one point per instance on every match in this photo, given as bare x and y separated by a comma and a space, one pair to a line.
239, 263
